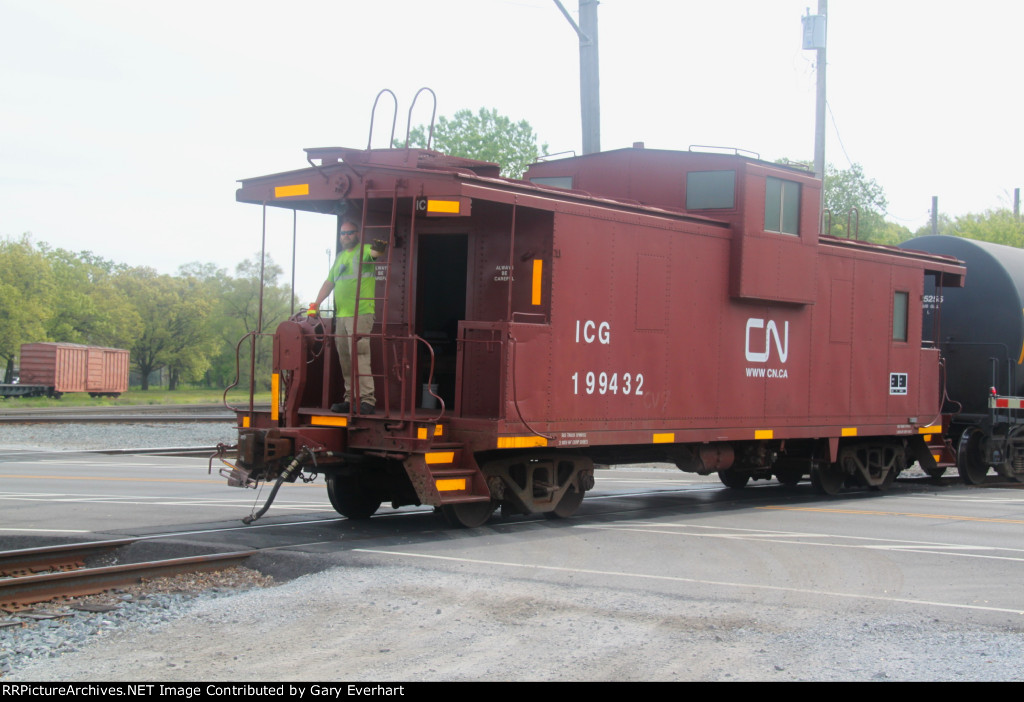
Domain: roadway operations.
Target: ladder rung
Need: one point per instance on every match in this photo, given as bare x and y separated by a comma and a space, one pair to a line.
382, 231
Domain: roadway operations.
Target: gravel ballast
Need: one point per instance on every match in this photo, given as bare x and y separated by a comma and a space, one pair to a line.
398, 623
102, 436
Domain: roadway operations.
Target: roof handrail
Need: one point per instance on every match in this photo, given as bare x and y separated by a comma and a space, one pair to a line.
408, 126
704, 148
394, 119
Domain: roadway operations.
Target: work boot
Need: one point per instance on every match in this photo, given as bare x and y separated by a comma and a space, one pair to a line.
340, 407
366, 408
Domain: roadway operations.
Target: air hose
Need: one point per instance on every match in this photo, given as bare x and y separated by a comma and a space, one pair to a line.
285, 475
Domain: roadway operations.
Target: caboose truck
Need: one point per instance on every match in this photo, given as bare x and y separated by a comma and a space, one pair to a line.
628, 306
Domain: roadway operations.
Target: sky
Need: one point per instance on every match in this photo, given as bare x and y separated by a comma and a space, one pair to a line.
126, 124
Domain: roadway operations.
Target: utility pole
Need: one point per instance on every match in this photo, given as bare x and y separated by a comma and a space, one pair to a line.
815, 37
819, 113
590, 92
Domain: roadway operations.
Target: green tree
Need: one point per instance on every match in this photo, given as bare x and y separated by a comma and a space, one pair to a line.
194, 340
242, 305
90, 309
484, 136
175, 333
997, 226
851, 191
855, 205
27, 297
889, 233
236, 313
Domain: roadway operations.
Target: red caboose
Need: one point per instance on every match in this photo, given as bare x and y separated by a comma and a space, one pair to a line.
628, 306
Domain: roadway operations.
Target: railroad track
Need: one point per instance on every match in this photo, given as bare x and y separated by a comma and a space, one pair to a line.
65, 576
122, 414
119, 414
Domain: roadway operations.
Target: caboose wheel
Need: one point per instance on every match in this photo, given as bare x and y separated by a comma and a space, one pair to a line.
733, 479
970, 457
789, 476
468, 515
567, 506
887, 481
828, 478
349, 498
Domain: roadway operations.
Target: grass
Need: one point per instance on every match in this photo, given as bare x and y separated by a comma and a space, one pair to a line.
135, 396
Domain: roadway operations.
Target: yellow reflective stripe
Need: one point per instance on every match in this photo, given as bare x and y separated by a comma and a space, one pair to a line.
849, 431
764, 433
329, 421
668, 438
245, 422
443, 206
291, 190
275, 396
439, 430
1021, 359
421, 433
439, 457
538, 269
521, 441
450, 484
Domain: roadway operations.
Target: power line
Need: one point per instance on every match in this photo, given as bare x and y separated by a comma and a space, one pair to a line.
838, 135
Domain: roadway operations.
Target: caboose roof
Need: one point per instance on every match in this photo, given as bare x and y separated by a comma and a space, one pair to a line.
659, 177
649, 181
338, 172
694, 155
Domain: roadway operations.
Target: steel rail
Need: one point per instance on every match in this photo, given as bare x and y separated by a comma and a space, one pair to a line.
133, 413
19, 593
71, 418
100, 409
24, 561
10, 455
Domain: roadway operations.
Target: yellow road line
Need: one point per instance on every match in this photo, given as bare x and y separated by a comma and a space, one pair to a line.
955, 517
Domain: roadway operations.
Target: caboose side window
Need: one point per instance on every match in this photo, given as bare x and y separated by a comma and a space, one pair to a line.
900, 303
711, 190
781, 206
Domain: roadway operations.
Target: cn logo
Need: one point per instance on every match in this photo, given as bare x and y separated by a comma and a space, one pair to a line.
770, 330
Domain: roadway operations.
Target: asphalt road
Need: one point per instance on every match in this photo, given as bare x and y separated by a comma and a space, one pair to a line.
947, 544
674, 564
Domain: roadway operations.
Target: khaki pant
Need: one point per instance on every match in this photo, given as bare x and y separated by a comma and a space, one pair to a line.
343, 328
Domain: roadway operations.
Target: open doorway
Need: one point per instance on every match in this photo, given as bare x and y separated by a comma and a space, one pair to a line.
440, 305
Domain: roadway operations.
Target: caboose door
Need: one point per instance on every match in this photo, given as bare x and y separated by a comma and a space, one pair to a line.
441, 269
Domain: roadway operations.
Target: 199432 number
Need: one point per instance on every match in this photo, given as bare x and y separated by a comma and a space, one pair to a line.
608, 384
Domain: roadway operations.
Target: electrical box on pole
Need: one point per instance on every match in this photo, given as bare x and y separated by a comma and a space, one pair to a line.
814, 32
